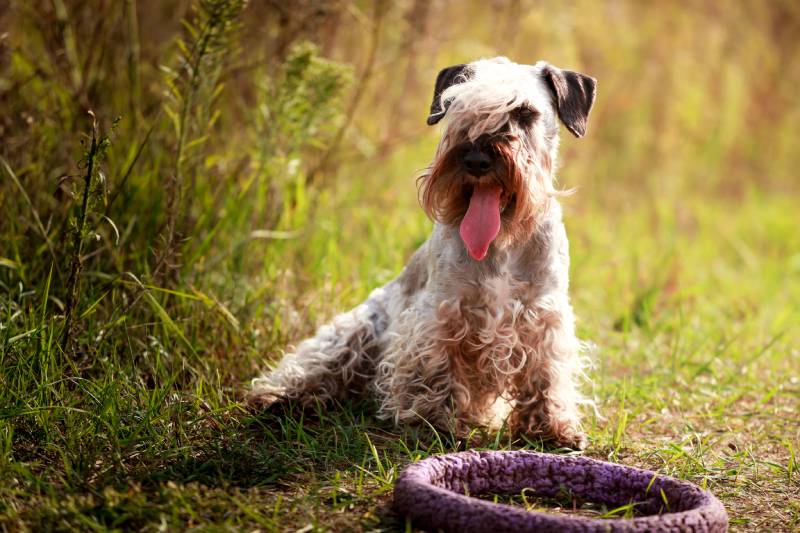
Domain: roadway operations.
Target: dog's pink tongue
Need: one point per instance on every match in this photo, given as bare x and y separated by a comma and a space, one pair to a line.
482, 221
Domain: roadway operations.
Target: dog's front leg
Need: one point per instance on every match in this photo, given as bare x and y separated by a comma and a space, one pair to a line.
545, 391
339, 360
414, 382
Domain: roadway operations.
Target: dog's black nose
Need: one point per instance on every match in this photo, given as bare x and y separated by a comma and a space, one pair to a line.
477, 162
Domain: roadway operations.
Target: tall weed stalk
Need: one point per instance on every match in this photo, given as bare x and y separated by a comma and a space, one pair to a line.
192, 89
92, 157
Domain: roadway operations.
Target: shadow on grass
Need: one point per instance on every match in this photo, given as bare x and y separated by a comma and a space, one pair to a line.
280, 444
337, 461
286, 442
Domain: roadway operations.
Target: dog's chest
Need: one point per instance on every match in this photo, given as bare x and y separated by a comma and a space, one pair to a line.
486, 332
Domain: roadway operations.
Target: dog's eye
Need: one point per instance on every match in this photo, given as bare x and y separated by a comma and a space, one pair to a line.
525, 115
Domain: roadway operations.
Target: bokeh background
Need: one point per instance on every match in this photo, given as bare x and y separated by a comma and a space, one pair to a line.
248, 170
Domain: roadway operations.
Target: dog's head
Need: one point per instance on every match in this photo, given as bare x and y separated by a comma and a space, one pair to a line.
493, 169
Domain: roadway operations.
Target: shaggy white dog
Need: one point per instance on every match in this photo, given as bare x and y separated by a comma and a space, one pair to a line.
479, 321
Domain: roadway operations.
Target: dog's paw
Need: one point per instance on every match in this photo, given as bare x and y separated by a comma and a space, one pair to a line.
260, 399
552, 431
574, 440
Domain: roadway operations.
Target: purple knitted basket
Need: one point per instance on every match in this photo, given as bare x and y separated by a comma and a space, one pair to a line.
431, 493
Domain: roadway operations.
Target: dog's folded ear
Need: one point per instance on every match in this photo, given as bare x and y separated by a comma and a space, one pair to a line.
574, 96
447, 77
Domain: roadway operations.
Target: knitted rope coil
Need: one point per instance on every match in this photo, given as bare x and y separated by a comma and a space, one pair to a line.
431, 493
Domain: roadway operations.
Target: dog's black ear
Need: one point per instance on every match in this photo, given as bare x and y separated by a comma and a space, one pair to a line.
574, 96
447, 77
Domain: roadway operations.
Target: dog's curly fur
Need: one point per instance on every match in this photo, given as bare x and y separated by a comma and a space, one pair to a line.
459, 342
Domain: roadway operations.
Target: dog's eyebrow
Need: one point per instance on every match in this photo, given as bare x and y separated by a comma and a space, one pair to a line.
525, 107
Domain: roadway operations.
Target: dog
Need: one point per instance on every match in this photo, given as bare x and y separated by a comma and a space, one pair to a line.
477, 330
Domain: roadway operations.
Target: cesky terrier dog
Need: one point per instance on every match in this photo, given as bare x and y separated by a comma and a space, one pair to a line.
477, 330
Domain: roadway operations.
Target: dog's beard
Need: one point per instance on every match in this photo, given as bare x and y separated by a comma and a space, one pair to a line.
500, 205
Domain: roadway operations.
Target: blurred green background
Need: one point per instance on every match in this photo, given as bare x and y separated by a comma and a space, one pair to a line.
253, 172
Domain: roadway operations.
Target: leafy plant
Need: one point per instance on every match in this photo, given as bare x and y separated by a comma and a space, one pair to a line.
299, 110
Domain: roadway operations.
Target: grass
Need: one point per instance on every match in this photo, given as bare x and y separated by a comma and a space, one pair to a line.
253, 207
